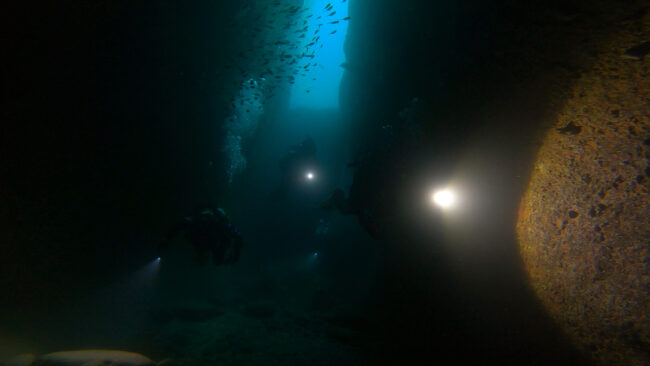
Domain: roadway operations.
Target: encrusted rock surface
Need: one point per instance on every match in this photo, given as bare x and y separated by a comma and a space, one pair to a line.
584, 221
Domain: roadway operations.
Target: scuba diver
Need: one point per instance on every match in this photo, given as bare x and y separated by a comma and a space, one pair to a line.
360, 203
373, 193
297, 166
210, 232
381, 175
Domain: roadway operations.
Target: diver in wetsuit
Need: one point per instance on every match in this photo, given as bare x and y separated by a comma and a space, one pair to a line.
373, 193
380, 175
210, 232
296, 166
367, 200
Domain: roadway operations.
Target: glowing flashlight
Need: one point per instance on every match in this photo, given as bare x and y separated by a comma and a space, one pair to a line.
158, 259
444, 198
309, 176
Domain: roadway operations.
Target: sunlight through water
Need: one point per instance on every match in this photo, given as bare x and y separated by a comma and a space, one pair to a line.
319, 73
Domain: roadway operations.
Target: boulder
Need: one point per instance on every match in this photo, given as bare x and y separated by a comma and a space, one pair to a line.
93, 358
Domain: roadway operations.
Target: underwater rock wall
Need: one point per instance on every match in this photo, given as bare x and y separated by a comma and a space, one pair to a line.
583, 223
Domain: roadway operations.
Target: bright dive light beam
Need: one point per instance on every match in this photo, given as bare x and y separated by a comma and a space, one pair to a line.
444, 198
309, 176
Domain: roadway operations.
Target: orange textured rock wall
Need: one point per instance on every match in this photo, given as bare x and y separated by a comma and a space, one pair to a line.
584, 221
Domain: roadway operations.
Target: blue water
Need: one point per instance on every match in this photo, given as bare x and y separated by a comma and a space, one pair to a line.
318, 86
